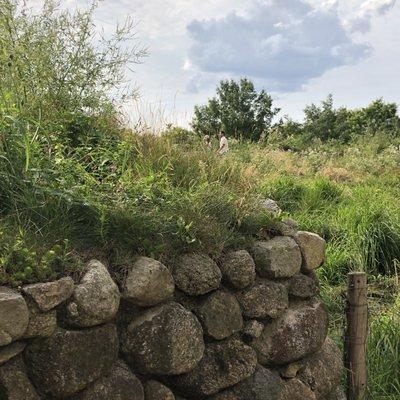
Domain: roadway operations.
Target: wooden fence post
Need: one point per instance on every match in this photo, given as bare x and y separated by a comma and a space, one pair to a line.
356, 335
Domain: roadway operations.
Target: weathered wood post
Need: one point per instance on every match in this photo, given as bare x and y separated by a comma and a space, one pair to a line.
356, 335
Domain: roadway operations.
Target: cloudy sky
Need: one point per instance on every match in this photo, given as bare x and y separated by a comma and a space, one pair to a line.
298, 50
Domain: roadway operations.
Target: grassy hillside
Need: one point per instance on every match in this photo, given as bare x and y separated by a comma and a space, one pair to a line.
75, 183
121, 193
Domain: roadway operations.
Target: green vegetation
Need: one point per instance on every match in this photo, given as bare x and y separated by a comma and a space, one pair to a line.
245, 114
74, 182
384, 355
238, 109
336, 125
129, 193
71, 173
348, 193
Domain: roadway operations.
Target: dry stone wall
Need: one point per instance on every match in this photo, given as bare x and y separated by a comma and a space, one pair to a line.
248, 326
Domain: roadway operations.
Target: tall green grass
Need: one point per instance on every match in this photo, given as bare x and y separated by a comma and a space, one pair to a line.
125, 193
164, 195
361, 223
384, 356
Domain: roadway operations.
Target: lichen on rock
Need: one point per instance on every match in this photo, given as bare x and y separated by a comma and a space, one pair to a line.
224, 364
238, 268
69, 361
265, 299
95, 299
165, 340
148, 282
279, 257
299, 332
14, 316
196, 274
220, 315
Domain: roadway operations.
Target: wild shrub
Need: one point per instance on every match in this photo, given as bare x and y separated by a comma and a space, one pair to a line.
22, 263
53, 62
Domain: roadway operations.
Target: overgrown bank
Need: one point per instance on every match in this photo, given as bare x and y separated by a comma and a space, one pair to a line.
75, 183
159, 195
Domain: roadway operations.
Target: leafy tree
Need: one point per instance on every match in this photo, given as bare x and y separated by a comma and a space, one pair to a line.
377, 117
207, 119
238, 109
286, 127
326, 122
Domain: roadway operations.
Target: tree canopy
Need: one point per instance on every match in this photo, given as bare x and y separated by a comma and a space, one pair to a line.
325, 122
238, 109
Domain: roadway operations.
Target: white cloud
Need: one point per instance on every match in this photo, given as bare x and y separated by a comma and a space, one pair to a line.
286, 43
361, 22
379, 6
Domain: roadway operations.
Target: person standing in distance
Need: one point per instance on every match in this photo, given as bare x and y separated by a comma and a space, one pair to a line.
223, 144
207, 142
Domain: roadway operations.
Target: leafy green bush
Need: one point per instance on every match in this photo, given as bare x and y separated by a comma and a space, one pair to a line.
53, 63
21, 263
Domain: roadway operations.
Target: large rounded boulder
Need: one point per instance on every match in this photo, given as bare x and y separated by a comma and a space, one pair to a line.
264, 384
95, 300
10, 351
303, 286
264, 299
294, 389
299, 332
148, 282
196, 274
155, 390
69, 361
322, 371
165, 340
15, 383
312, 248
14, 316
220, 315
224, 364
279, 257
238, 268
119, 384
